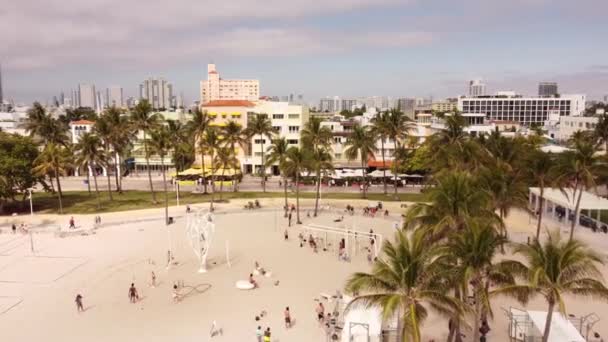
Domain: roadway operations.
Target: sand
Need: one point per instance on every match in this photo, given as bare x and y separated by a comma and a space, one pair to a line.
37, 290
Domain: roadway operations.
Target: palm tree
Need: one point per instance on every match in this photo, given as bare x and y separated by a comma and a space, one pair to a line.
454, 147
90, 153
450, 204
198, 126
403, 282
555, 268
143, 119
360, 143
54, 159
400, 157
505, 187
540, 166
44, 127
210, 142
474, 250
259, 125
278, 154
321, 162
161, 144
578, 169
315, 136
178, 136
103, 130
225, 159
381, 130
295, 162
233, 135
121, 136
601, 131
398, 127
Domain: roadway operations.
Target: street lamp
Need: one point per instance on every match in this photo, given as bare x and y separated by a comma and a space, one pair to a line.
30, 198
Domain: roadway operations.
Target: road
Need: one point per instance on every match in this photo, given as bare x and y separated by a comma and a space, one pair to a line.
249, 183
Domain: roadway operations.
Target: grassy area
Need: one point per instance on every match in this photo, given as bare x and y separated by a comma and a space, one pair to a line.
80, 202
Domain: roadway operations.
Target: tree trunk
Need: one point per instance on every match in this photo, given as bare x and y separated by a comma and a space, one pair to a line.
148, 167
414, 322
109, 178
318, 190
364, 177
162, 165
478, 313
52, 184
203, 169
59, 194
234, 177
298, 197
117, 174
263, 166
396, 143
222, 183
96, 187
540, 210
212, 184
548, 321
576, 212
89, 179
383, 166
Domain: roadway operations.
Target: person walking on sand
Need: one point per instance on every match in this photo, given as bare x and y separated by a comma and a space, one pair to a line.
133, 296
289, 218
320, 313
259, 334
79, 306
72, 223
287, 318
153, 276
14, 227
267, 335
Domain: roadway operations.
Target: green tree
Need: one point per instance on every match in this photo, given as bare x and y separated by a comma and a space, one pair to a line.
211, 142
160, 144
540, 168
318, 138
225, 159
361, 144
17, 156
103, 130
120, 138
381, 128
142, 119
601, 131
198, 126
233, 135
54, 160
406, 279
555, 268
260, 126
90, 153
43, 127
278, 154
295, 163
398, 128
578, 169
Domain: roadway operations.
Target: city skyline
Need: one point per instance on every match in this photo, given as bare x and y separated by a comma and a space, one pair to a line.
339, 48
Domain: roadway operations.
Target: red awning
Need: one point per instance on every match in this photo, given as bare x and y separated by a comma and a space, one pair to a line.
379, 164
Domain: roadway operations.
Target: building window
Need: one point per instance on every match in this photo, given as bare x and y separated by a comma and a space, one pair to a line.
260, 141
337, 155
292, 141
277, 129
293, 116
294, 129
278, 116
337, 140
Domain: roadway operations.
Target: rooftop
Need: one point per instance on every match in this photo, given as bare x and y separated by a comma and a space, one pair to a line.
82, 122
229, 103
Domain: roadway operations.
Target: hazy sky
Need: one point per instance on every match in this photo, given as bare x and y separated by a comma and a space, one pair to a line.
318, 48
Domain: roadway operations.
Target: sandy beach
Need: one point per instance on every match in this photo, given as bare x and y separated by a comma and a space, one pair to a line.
37, 289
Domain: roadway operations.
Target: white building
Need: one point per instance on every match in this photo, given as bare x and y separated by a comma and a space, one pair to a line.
86, 96
158, 92
114, 96
562, 128
331, 105
477, 88
216, 88
525, 110
476, 124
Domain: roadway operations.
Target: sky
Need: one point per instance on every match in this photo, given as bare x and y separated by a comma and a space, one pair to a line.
349, 48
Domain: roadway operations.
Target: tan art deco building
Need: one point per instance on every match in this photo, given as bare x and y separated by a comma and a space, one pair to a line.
215, 88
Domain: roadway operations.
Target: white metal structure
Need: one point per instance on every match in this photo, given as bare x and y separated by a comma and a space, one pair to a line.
554, 198
200, 230
348, 233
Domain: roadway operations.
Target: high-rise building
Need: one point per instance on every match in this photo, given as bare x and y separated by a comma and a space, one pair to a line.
158, 92
349, 104
547, 89
406, 105
331, 105
114, 96
477, 88
86, 95
216, 88
525, 110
